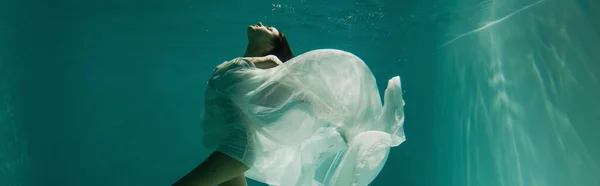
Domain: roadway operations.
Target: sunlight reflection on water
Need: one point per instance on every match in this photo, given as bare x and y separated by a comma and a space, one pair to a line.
529, 85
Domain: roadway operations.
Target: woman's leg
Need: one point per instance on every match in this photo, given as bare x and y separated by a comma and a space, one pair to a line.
237, 181
216, 169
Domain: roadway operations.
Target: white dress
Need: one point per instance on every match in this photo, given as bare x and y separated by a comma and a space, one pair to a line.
317, 119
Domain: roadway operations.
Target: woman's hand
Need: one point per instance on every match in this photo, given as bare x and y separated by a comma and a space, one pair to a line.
265, 62
274, 59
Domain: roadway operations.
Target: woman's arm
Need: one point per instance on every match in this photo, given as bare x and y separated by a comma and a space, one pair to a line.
264, 62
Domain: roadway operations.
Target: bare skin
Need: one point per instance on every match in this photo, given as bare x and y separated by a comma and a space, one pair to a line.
265, 62
218, 168
259, 42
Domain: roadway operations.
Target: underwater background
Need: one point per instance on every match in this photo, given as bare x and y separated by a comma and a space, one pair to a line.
498, 93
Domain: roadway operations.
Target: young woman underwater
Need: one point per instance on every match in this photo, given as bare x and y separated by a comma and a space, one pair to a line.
280, 119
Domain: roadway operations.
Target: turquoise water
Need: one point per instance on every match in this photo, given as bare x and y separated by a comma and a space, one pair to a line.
109, 92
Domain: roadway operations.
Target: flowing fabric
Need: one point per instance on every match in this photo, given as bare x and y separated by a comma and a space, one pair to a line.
317, 119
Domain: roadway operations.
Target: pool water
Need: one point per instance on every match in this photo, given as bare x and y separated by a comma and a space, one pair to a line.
110, 92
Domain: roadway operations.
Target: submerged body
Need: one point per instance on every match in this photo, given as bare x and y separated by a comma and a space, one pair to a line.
316, 119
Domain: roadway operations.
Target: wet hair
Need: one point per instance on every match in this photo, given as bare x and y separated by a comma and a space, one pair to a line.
281, 48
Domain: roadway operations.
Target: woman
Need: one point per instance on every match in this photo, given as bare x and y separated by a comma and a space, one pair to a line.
314, 119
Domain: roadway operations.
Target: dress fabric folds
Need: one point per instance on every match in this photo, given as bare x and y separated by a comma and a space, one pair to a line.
317, 119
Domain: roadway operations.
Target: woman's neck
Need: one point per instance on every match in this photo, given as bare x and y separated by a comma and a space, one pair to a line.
253, 51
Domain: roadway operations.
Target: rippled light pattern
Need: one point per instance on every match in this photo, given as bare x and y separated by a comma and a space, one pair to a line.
524, 92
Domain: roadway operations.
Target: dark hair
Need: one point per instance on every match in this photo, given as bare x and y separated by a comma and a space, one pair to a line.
281, 48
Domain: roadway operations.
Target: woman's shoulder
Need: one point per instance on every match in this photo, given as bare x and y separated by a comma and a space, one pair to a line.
231, 72
235, 63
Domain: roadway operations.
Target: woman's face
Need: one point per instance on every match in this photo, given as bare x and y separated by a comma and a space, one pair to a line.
262, 35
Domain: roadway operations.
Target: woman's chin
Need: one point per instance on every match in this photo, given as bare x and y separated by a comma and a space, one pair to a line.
251, 29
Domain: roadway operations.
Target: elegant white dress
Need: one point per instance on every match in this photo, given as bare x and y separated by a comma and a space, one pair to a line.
317, 119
